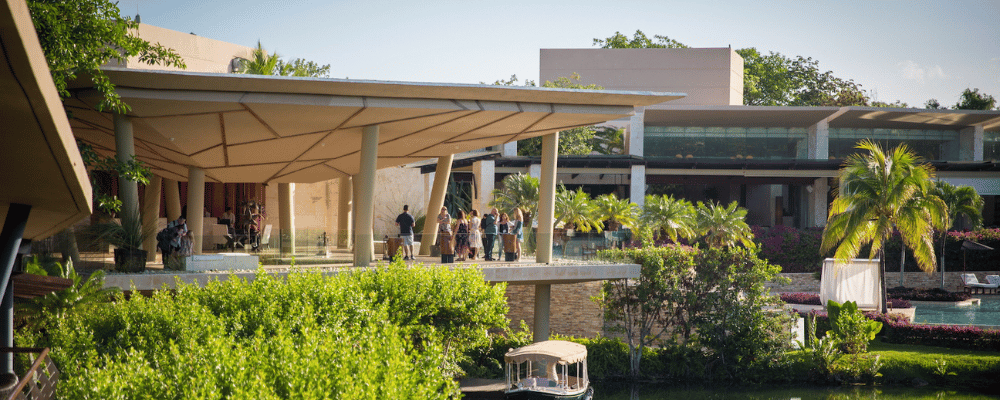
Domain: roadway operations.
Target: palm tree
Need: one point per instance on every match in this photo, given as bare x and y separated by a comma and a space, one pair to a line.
675, 217
517, 191
260, 63
574, 207
881, 193
616, 212
961, 201
723, 226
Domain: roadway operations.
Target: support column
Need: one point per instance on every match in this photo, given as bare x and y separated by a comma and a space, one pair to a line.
546, 199
535, 171
818, 207
818, 141
128, 190
173, 197
344, 207
366, 196
543, 298
485, 177
509, 149
10, 242
441, 175
970, 142
196, 207
286, 215
635, 142
150, 213
637, 185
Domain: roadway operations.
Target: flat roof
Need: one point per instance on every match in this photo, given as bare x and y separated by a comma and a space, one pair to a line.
254, 128
40, 163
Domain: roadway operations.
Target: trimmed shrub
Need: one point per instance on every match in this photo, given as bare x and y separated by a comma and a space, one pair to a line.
935, 294
896, 329
801, 298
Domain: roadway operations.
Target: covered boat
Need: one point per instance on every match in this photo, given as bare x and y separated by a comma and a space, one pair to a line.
553, 369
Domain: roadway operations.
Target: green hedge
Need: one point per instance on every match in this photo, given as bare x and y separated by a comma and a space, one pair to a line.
384, 333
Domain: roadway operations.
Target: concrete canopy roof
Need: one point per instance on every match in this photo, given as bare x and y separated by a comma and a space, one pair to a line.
840, 117
251, 128
40, 163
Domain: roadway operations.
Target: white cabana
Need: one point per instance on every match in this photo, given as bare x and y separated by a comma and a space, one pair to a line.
857, 280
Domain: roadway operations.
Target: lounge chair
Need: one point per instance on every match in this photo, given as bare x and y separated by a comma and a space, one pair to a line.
972, 285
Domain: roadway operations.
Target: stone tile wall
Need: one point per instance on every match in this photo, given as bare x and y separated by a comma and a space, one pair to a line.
804, 282
571, 312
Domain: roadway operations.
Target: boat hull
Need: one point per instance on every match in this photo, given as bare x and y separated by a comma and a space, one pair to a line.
532, 395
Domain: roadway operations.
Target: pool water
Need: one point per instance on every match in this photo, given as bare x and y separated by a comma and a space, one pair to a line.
987, 313
651, 392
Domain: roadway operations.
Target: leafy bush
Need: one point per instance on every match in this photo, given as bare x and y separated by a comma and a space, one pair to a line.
935, 294
801, 298
367, 334
955, 260
795, 250
850, 327
951, 336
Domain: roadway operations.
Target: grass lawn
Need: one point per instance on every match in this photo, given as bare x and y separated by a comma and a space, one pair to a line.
939, 366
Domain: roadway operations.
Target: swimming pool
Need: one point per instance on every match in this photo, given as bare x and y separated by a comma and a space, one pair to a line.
987, 313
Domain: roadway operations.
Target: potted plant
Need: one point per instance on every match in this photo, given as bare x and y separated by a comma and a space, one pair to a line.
127, 237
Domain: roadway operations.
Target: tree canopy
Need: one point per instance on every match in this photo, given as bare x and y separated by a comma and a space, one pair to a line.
262, 63
971, 99
639, 41
79, 36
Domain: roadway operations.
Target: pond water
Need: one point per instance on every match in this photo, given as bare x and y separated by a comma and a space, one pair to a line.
648, 392
987, 313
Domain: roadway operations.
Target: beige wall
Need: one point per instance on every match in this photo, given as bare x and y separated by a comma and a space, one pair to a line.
709, 76
200, 54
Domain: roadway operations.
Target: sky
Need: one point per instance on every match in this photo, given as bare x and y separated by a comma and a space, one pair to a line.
896, 49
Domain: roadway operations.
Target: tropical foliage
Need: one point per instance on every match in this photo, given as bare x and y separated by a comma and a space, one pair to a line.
723, 226
517, 191
961, 201
666, 215
262, 63
617, 212
574, 208
81, 36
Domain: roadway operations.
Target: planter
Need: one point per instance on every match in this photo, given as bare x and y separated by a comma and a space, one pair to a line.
130, 260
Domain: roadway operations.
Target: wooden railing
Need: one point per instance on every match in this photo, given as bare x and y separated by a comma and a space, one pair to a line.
39, 383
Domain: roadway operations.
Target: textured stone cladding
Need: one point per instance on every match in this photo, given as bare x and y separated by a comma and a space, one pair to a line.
571, 311
805, 282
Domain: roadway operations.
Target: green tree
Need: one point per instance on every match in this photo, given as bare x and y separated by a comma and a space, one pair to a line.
262, 63
638, 41
517, 191
79, 36
934, 104
575, 208
673, 217
575, 141
960, 201
881, 193
616, 212
608, 141
895, 104
973, 100
767, 80
723, 226
816, 88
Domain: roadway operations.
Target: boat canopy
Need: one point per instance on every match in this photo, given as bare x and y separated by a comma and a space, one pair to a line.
550, 351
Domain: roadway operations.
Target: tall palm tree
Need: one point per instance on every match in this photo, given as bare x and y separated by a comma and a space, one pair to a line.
616, 212
881, 193
517, 191
574, 207
260, 63
723, 226
674, 217
961, 201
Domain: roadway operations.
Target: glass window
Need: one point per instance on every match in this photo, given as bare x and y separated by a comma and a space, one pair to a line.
931, 145
725, 143
991, 146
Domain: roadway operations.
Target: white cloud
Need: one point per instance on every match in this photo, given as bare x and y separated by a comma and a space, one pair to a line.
912, 70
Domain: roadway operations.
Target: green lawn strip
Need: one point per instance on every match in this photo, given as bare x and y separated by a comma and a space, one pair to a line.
903, 363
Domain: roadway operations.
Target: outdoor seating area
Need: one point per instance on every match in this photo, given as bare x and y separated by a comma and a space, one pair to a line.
974, 286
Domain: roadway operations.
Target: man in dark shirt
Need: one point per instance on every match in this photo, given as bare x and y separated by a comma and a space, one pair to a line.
489, 233
405, 222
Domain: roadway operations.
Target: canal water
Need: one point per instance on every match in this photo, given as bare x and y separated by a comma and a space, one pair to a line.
607, 391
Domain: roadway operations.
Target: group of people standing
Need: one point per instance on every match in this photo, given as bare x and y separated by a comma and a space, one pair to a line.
473, 232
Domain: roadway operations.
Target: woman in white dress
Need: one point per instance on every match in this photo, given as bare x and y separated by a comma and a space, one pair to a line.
475, 234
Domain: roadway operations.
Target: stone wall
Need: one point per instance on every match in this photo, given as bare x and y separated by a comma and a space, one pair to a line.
804, 282
571, 312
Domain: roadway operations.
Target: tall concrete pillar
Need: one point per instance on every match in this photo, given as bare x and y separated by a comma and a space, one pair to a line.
128, 191
344, 214
485, 176
543, 296
196, 207
172, 192
971, 144
818, 208
546, 199
635, 142
637, 187
286, 215
818, 141
366, 196
441, 175
150, 213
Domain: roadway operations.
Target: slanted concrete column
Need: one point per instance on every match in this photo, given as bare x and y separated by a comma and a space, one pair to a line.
634, 144
196, 207
637, 188
128, 190
11, 235
286, 214
485, 176
366, 196
543, 298
970, 144
817, 203
441, 175
150, 213
546, 200
344, 219
172, 193
818, 141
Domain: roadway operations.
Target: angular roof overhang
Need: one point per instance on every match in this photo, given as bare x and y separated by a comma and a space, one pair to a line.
40, 165
251, 128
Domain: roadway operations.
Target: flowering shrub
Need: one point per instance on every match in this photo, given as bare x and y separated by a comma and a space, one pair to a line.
795, 250
801, 298
955, 260
927, 294
896, 329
